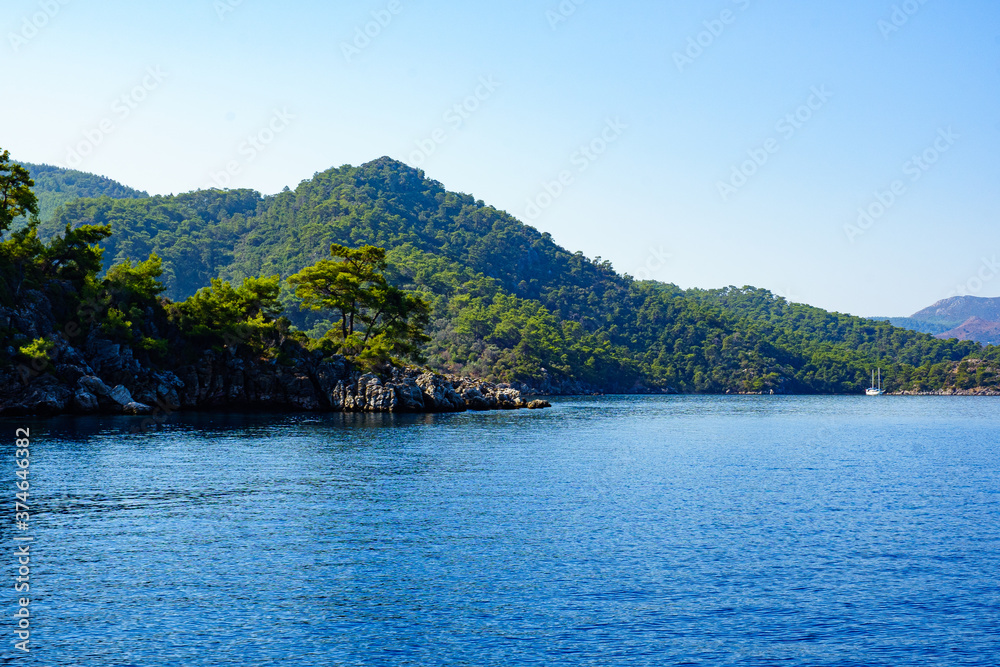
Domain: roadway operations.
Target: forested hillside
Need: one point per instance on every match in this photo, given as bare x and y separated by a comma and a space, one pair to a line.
922, 326
507, 302
55, 186
194, 233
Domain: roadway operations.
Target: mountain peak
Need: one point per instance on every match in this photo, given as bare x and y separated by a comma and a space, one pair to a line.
386, 161
958, 309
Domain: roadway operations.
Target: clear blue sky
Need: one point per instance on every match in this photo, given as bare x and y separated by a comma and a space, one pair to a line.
162, 96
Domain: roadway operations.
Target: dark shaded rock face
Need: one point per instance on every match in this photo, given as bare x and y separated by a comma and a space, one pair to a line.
104, 377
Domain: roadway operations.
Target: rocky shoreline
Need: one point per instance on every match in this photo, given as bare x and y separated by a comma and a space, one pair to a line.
98, 376
947, 392
101, 377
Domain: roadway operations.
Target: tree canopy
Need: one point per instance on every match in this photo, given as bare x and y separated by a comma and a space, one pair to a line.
16, 196
377, 320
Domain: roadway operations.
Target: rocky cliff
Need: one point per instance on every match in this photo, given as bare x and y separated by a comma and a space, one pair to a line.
99, 376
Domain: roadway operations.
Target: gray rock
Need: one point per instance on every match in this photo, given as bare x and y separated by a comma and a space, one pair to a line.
94, 385
337, 397
168, 396
329, 375
190, 391
439, 395
300, 393
85, 402
474, 399
159, 389
134, 408
508, 399
33, 315
205, 376
367, 379
104, 355
367, 387
236, 391
46, 396
121, 395
64, 353
379, 398
410, 397
538, 405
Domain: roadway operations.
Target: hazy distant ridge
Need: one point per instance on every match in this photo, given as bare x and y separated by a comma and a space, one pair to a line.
972, 318
958, 309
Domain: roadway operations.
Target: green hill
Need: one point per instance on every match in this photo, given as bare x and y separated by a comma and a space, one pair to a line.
508, 302
54, 186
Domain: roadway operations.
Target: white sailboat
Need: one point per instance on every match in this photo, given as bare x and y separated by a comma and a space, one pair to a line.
876, 390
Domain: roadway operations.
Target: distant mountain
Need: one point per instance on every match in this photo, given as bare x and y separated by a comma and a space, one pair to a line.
55, 186
508, 303
972, 318
932, 328
977, 329
958, 309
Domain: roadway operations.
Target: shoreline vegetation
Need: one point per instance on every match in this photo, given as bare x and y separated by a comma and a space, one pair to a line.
373, 289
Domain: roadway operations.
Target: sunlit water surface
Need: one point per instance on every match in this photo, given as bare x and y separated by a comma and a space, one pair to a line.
605, 531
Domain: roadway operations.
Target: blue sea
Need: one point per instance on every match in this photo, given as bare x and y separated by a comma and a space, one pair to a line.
749, 531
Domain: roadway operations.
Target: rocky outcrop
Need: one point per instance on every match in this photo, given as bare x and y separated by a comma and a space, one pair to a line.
409, 390
105, 377
981, 391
